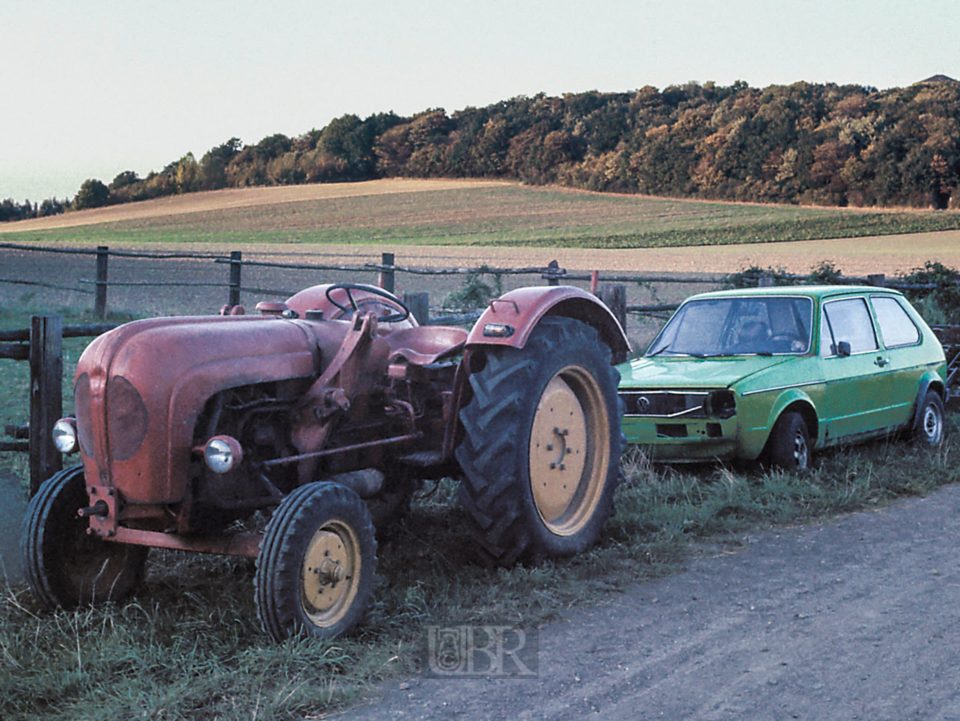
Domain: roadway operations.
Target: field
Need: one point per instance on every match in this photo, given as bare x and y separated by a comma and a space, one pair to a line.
506, 224
466, 224
188, 646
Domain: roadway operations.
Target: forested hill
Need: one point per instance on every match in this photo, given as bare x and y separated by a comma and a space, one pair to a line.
803, 143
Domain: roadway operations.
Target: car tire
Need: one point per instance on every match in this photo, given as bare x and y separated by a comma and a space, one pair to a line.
789, 444
929, 422
317, 563
541, 453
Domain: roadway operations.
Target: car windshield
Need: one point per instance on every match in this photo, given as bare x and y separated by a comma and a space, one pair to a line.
711, 327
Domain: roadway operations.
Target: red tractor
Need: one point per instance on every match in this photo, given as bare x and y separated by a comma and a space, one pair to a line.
318, 418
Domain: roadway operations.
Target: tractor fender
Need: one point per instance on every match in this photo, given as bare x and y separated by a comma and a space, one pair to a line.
509, 319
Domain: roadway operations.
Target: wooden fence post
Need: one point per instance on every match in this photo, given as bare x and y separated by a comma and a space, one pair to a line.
46, 396
387, 276
419, 305
100, 297
233, 296
553, 267
615, 298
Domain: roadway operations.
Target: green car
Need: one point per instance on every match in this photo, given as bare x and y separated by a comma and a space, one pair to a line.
778, 372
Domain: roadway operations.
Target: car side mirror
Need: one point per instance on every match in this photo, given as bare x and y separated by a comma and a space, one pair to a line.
843, 349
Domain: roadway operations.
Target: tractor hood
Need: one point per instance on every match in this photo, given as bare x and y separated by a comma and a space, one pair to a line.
694, 373
141, 387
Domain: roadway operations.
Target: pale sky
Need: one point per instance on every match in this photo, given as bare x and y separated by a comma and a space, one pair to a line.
96, 87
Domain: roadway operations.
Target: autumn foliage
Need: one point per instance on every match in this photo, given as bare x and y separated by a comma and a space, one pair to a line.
804, 143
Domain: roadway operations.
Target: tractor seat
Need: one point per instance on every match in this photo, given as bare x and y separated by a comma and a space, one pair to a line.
425, 344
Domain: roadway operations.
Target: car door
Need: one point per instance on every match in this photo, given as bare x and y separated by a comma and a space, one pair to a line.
901, 358
853, 368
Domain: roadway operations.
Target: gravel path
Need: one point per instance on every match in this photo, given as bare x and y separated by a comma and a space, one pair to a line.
855, 618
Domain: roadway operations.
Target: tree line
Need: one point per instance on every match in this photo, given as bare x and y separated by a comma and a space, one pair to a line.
823, 144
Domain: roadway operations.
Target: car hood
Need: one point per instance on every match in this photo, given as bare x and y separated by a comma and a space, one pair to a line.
686, 372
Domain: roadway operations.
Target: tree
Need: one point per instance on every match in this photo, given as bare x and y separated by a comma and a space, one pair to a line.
92, 194
213, 164
187, 174
123, 179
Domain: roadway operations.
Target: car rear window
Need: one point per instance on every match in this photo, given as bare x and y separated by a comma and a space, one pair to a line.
896, 327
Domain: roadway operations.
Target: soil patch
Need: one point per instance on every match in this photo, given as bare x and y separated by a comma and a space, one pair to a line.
851, 618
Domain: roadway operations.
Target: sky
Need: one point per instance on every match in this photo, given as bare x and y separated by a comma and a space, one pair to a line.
97, 87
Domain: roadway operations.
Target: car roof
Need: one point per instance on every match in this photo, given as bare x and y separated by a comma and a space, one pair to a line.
809, 291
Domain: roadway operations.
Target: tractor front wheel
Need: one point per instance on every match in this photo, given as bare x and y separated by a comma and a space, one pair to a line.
317, 561
65, 566
541, 453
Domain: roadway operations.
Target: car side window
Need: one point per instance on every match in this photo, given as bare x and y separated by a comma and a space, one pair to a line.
847, 320
896, 327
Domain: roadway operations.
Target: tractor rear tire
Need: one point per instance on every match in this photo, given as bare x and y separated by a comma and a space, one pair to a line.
541, 453
65, 566
317, 563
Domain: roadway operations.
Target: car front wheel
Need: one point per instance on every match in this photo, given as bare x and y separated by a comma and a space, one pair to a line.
789, 444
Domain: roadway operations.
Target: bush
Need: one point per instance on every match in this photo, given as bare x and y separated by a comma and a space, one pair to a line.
939, 301
475, 293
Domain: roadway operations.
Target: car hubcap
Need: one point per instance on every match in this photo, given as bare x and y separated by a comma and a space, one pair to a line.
800, 450
932, 425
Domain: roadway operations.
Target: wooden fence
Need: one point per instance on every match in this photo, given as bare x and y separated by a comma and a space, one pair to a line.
602, 282
42, 346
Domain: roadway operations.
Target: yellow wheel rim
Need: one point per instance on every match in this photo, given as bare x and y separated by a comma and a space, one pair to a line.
330, 573
569, 451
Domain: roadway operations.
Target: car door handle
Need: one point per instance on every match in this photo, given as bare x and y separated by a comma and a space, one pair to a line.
882, 361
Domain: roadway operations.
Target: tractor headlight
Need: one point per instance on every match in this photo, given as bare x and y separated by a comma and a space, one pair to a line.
65, 435
222, 454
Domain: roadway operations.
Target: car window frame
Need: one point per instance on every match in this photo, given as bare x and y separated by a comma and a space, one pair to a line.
811, 302
895, 299
833, 345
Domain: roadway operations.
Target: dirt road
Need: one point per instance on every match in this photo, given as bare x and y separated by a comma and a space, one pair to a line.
855, 618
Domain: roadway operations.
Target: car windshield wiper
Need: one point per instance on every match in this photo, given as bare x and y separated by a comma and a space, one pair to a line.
690, 353
658, 351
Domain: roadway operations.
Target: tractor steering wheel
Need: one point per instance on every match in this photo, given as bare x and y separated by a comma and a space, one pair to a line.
401, 315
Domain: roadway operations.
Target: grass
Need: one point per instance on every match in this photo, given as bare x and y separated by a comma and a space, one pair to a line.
188, 645
502, 215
